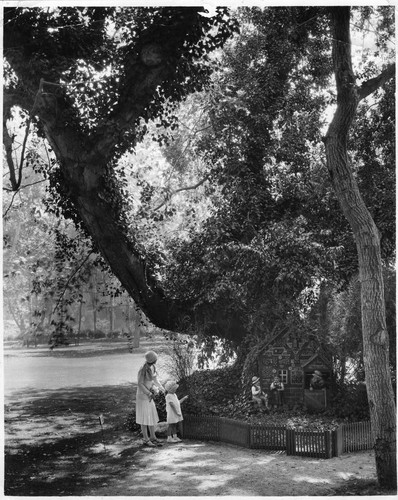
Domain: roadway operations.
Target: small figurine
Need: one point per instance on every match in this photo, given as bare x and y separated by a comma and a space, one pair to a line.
317, 381
257, 394
277, 389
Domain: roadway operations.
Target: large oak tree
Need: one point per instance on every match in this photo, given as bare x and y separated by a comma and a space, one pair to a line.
149, 58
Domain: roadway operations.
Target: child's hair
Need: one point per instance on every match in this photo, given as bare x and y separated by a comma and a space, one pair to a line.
170, 384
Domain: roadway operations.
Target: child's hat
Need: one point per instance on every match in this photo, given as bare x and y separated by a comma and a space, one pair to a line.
170, 384
255, 380
151, 357
317, 372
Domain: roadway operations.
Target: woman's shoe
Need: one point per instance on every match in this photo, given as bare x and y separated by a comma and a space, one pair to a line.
177, 439
171, 440
148, 443
156, 442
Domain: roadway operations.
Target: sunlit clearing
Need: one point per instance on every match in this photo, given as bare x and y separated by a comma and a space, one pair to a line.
346, 475
211, 482
308, 479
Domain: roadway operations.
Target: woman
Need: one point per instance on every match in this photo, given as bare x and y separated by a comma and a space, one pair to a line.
145, 410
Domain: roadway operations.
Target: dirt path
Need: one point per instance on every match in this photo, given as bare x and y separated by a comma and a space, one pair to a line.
195, 468
55, 446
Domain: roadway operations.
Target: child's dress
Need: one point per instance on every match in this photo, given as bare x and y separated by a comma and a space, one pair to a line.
172, 417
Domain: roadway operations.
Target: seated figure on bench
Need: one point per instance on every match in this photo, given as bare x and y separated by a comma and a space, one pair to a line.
258, 396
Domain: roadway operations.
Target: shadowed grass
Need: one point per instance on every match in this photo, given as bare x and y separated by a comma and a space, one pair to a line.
55, 445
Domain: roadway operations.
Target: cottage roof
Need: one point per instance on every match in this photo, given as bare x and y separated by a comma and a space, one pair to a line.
275, 337
319, 355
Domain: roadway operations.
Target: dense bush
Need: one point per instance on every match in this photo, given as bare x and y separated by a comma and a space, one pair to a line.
220, 392
210, 390
350, 403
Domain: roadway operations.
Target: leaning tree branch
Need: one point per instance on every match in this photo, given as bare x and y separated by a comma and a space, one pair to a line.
8, 142
185, 188
373, 84
70, 279
145, 69
5, 213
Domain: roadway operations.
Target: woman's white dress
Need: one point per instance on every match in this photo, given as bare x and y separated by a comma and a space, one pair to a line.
145, 410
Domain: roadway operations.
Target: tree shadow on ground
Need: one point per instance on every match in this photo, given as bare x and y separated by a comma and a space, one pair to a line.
55, 443
362, 487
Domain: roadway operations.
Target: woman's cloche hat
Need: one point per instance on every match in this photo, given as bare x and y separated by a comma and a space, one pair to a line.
255, 380
151, 357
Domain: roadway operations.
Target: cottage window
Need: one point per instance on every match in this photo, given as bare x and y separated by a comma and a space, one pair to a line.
283, 376
297, 376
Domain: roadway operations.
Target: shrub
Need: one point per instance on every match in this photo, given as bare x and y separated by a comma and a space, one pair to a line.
182, 357
160, 402
350, 402
210, 390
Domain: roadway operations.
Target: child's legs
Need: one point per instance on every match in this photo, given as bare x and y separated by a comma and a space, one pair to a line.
171, 429
178, 428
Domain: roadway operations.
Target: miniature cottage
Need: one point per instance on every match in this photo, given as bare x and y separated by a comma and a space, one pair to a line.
294, 358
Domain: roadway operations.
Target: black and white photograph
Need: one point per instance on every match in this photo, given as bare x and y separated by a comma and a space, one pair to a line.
199, 243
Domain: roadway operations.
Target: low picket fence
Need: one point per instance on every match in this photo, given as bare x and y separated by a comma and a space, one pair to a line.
317, 444
357, 436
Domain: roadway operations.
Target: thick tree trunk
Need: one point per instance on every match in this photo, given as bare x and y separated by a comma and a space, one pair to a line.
375, 337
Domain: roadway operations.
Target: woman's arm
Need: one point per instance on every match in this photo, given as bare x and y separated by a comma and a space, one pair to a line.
157, 383
143, 388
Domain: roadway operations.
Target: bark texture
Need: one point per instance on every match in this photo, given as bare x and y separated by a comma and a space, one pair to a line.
366, 234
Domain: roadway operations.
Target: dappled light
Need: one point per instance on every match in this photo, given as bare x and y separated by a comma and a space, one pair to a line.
55, 446
347, 475
311, 480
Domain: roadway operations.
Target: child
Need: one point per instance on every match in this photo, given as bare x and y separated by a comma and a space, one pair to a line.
173, 409
257, 394
277, 389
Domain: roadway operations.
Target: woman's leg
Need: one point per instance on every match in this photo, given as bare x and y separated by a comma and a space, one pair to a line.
152, 432
144, 430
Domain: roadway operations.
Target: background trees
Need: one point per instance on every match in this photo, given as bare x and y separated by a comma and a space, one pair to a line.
272, 234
